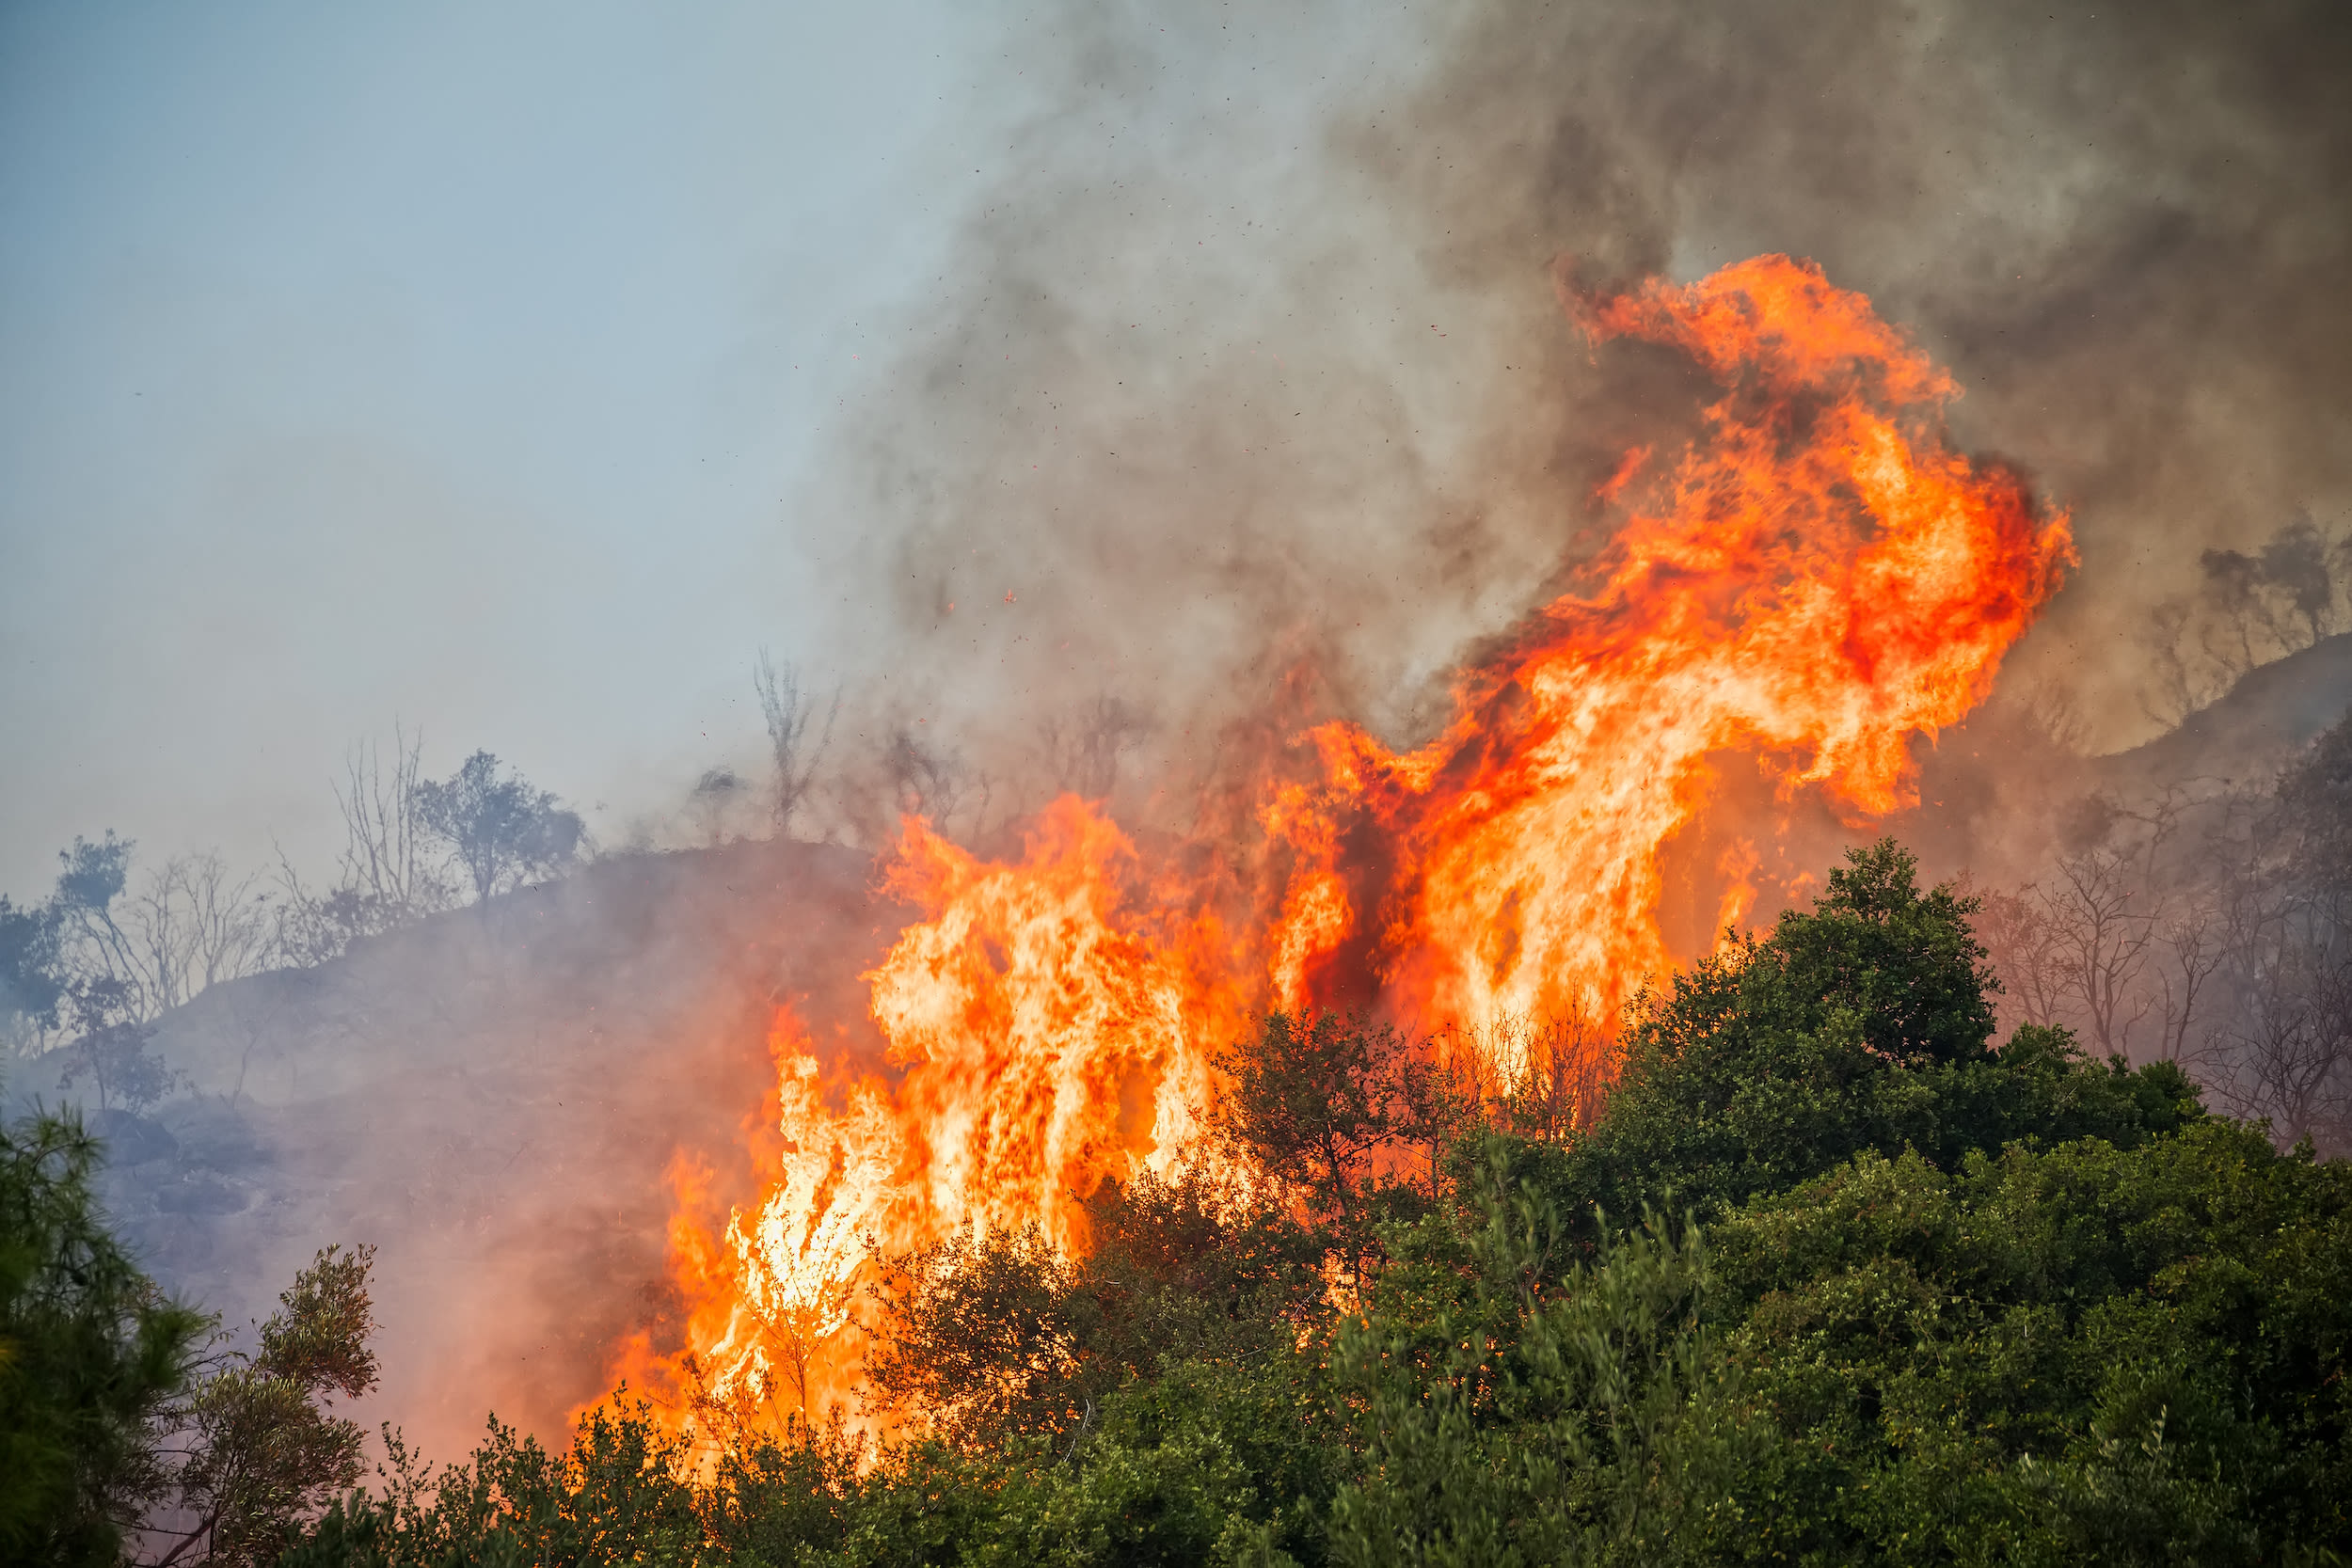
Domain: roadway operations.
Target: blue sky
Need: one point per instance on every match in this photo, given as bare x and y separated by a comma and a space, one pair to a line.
448, 363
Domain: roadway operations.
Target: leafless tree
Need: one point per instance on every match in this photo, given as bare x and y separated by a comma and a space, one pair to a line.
787, 710
2285, 1051
130, 951
2176, 690
2101, 938
1540, 1075
2018, 934
387, 857
389, 872
2189, 953
929, 781
195, 925
1081, 752
1566, 1066
2279, 1040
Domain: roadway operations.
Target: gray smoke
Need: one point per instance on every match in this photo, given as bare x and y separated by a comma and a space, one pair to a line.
1252, 351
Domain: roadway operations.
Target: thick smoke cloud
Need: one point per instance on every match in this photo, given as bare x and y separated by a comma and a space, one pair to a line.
1256, 353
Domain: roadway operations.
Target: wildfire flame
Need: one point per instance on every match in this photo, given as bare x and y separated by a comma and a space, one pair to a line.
1817, 580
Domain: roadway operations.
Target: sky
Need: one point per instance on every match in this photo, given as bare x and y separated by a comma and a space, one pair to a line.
443, 364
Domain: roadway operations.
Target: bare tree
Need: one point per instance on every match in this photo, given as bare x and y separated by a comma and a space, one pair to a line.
2190, 954
2101, 936
194, 925
2021, 939
2282, 1047
2285, 1053
387, 857
1564, 1065
104, 956
927, 782
388, 873
787, 710
1081, 752
2178, 690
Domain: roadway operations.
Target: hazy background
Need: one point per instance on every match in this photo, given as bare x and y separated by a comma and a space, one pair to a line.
448, 362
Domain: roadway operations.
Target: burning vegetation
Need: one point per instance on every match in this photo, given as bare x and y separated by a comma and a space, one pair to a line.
1372, 1171
1817, 580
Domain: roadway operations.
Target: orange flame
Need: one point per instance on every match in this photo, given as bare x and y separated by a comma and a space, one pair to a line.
1818, 580
1821, 578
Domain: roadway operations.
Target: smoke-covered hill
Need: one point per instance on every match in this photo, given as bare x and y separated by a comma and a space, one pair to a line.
2272, 711
493, 1097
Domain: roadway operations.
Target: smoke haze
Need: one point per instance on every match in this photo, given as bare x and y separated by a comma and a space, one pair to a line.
1257, 349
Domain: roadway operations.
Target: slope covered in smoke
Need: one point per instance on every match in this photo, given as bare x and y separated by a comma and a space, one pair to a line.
492, 1098
2272, 712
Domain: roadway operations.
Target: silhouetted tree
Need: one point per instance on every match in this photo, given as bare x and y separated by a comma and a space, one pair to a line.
500, 832
1081, 751
2249, 608
712, 798
787, 711
31, 983
387, 873
931, 783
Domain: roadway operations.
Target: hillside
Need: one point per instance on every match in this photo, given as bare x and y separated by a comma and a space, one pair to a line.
2245, 735
492, 1098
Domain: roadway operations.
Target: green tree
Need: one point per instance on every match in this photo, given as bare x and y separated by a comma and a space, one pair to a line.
1312, 1104
264, 1454
502, 831
1520, 1413
617, 1493
1861, 1025
2079, 1354
991, 1341
91, 1354
984, 1338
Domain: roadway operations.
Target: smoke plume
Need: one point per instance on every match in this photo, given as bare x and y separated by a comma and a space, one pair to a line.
1253, 355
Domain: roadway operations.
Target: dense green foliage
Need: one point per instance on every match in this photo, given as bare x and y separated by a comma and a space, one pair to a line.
1833, 1279
264, 1454
129, 1430
90, 1354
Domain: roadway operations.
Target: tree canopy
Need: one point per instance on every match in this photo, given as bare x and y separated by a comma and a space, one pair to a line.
1835, 1276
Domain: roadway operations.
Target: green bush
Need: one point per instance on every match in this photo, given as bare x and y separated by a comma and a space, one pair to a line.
1895, 1293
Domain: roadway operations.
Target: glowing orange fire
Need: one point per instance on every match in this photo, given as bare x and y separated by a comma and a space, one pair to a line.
1817, 580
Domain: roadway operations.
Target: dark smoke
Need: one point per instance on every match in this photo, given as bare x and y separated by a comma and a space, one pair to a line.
1254, 352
